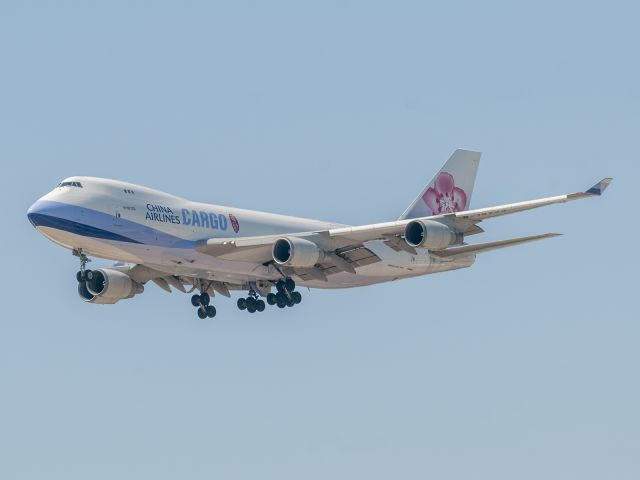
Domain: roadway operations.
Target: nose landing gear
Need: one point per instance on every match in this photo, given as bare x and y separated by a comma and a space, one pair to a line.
83, 276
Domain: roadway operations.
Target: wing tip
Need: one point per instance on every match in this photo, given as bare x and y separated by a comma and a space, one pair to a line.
600, 187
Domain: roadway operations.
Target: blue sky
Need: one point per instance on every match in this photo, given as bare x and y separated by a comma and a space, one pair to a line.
523, 366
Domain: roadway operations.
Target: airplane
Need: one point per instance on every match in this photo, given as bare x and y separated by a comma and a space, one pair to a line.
207, 249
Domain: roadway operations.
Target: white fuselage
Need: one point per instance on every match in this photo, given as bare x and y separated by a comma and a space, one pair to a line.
129, 223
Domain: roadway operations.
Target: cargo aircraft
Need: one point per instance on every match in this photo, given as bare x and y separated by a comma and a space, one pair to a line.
207, 249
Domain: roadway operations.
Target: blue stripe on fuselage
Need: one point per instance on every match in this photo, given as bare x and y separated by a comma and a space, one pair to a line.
92, 223
41, 220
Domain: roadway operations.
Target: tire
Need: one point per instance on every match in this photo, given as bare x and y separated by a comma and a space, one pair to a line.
211, 311
195, 300
251, 308
280, 285
281, 298
297, 297
201, 313
242, 303
79, 276
205, 298
281, 304
290, 284
251, 303
290, 303
83, 292
260, 306
271, 299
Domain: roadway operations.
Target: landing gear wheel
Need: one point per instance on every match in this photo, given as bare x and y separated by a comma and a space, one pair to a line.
281, 300
211, 311
242, 303
290, 284
202, 313
251, 304
296, 297
82, 290
195, 300
271, 299
204, 298
260, 306
280, 285
290, 303
79, 276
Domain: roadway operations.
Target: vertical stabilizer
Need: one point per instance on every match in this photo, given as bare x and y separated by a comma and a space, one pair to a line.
450, 190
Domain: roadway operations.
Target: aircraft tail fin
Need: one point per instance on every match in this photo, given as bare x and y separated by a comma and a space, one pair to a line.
450, 190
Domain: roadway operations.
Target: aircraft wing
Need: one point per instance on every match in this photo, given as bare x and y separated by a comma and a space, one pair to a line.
490, 212
462, 222
250, 249
348, 243
340, 255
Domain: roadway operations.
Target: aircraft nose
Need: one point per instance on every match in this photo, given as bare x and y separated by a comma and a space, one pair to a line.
34, 212
41, 212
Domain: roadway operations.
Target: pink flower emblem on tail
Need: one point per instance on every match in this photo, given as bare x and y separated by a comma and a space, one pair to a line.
444, 196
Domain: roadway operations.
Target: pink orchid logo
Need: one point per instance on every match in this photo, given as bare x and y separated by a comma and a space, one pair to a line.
445, 197
234, 223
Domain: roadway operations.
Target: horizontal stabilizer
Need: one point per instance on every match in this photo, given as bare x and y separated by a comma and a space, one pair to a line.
485, 247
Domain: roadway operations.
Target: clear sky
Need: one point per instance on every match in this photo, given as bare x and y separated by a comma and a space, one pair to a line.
524, 366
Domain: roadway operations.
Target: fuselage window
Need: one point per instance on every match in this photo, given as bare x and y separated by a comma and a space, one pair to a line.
70, 184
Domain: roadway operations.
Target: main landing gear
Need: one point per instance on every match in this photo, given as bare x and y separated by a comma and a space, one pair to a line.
202, 302
252, 303
286, 295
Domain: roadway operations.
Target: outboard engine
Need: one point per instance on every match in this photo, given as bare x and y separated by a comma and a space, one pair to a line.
429, 234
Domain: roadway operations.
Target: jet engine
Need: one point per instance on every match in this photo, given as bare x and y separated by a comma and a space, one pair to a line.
296, 252
107, 285
429, 234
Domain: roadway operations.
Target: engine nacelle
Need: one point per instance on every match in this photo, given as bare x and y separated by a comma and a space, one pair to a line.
108, 286
428, 234
296, 252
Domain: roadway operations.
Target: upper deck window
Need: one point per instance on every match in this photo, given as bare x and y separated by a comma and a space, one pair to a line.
70, 184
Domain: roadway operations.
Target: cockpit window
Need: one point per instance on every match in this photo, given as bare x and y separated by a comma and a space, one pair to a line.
70, 184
